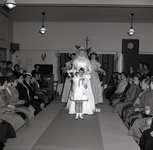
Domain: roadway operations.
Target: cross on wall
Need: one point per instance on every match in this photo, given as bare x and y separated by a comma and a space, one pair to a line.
86, 41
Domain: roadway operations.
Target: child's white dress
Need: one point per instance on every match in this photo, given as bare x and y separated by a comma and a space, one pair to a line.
79, 88
88, 105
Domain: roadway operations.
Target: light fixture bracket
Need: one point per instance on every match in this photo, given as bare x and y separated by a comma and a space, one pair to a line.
10, 4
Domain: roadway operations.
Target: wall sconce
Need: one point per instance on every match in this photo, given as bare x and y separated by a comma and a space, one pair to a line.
43, 56
57, 54
42, 29
10, 4
131, 30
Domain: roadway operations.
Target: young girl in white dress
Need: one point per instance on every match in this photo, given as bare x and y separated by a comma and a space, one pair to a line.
79, 91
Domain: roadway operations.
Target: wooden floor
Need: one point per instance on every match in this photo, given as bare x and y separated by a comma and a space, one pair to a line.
114, 133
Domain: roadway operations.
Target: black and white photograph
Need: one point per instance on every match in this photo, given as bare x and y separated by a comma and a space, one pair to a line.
76, 75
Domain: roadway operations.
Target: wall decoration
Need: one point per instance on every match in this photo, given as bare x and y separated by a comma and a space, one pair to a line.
43, 56
29, 61
130, 46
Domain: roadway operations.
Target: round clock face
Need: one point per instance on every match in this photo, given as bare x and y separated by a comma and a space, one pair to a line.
130, 45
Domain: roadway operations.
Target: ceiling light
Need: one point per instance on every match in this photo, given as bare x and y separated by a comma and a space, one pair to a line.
131, 30
42, 29
10, 4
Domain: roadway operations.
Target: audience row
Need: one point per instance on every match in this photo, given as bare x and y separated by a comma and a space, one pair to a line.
131, 96
21, 99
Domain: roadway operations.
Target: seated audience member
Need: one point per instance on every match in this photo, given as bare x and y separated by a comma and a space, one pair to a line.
147, 72
120, 87
122, 96
37, 71
140, 68
8, 69
24, 94
32, 94
2, 68
131, 71
127, 98
6, 131
16, 70
146, 111
143, 100
35, 84
126, 109
138, 127
12, 96
7, 113
146, 140
112, 85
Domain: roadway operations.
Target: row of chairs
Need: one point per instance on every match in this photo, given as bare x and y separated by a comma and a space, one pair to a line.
51, 89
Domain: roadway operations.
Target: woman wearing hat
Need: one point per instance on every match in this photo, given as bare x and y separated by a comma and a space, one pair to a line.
95, 81
67, 84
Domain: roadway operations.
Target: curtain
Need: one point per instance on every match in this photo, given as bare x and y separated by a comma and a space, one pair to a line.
63, 58
107, 63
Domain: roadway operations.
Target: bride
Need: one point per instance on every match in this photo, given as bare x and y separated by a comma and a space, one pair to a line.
81, 60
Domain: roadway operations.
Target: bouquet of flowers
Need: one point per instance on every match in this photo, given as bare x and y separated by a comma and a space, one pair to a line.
71, 72
84, 83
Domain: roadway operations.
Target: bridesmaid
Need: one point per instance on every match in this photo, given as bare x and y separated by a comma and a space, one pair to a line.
95, 81
67, 85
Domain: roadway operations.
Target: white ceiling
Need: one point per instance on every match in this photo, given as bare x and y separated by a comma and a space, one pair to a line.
79, 13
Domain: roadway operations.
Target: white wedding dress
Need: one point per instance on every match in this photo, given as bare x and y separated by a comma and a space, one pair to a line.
88, 106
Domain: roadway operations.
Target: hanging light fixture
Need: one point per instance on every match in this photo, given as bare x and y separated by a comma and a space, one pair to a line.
10, 4
42, 29
131, 30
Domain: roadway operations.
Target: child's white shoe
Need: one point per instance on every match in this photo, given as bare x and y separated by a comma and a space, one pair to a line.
77, 116
81, 117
